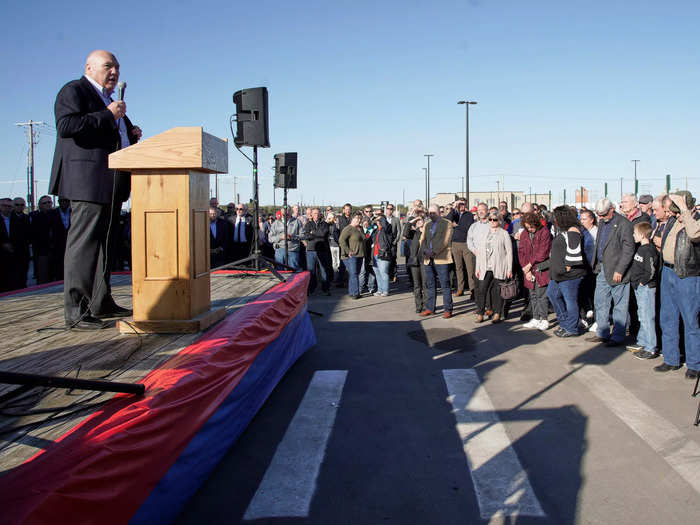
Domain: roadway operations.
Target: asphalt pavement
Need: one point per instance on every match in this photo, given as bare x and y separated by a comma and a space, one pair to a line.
394, 418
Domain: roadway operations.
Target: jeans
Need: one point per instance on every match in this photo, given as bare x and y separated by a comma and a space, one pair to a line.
432, 273
335, 257
320, 259
352, 265
646, 313
564, 297
292, 258
680, 297
382, 271
367, 278
619, 295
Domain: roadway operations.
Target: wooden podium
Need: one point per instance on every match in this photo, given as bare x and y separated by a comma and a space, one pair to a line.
170, 229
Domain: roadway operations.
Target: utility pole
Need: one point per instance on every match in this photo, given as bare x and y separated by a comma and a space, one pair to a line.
498, 192
635, 177
466, 178
30, 161
668, 183
427, 181
235, 193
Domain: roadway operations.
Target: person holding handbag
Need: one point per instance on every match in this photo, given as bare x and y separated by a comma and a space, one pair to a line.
533, 254
494, 264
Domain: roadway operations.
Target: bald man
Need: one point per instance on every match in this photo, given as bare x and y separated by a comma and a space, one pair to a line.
90, 125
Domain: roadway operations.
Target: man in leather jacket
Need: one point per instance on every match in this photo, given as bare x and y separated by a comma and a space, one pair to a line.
680, 284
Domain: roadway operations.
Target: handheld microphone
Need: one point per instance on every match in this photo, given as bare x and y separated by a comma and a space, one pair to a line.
121, 87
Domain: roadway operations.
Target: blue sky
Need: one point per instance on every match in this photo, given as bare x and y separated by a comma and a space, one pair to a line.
568, 92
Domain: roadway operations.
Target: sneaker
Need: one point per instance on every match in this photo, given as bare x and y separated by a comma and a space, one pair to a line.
532, 323
643, 354
543, 325
563, 333
664, 367
447, 315
593, 328
589, 314
426, 313
583, 324
634, 348
378, 294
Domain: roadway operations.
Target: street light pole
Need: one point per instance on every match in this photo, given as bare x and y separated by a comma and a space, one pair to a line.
425, 174
466, 178
427, 181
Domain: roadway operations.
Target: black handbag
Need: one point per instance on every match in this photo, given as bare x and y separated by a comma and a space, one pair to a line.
509, 289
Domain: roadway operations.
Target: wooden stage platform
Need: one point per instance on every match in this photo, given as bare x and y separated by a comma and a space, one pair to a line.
33, 340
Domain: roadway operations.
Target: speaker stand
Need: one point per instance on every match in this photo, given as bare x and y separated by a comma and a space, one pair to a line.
259, 260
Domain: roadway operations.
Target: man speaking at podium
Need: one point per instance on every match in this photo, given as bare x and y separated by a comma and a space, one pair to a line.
90, 125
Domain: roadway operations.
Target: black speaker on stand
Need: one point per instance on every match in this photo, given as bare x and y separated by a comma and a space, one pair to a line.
252, 129
286, 177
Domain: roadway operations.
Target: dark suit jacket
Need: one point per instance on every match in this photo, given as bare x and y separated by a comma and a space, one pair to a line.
248, 230
86, 134
40, 226
222, 240
57, 234
13, 266
618, 251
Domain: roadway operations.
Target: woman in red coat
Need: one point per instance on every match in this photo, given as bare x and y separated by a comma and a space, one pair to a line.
533, 253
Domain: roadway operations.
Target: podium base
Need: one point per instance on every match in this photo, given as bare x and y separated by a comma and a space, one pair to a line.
173, 326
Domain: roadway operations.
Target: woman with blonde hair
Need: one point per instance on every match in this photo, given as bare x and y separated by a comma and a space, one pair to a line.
494, 264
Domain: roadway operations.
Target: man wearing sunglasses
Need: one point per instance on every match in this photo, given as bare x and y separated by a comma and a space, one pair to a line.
612, 260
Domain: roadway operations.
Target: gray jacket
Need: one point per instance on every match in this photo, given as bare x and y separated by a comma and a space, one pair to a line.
618, 251
276, 234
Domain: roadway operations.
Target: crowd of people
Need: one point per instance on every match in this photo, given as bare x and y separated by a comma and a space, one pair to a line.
607, 271
39, 237
612, 272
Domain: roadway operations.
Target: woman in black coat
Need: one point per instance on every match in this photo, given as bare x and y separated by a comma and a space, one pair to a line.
414, 261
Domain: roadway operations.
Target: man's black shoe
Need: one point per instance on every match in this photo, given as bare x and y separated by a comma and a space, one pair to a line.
692, 374
664, 367
611, 343
115, 311
86, 324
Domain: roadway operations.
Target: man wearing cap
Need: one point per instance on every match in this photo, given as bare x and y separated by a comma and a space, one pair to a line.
645, 207
680, 284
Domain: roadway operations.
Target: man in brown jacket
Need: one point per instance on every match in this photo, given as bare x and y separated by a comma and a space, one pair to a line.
437, 257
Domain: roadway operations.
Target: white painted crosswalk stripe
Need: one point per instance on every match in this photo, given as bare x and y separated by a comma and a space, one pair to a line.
681, 453
502, 486
289, 483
